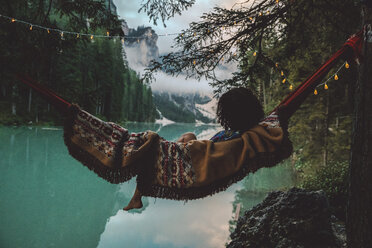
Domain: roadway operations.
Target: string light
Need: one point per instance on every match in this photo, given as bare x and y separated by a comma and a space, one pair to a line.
277, 1
107, 33
281, 73
49, 30
182, 34
334, 76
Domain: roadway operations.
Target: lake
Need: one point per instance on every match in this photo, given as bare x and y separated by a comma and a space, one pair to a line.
48, 199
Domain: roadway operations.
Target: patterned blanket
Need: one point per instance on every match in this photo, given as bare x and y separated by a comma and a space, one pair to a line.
169, 169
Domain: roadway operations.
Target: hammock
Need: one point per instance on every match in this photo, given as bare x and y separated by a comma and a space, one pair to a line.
190, 170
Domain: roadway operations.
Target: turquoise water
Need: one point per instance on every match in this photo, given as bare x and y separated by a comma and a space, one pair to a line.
48, 199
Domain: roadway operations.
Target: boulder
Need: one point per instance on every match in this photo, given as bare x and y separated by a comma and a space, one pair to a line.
296, 218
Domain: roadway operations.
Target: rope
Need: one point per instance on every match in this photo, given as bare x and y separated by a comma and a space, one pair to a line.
295, 98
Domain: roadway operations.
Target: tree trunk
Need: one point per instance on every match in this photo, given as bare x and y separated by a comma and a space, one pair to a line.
14, 105
29, 100
359, 213
326, 126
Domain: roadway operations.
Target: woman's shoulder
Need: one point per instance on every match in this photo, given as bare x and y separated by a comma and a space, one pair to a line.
225, 135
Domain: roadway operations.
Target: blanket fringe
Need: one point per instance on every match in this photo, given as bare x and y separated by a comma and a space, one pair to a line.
114, 175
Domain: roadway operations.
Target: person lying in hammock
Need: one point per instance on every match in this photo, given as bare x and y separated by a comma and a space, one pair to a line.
238, 110
184, 170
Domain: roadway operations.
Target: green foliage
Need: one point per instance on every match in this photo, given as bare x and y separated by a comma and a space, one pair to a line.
333, 180
173, 110
91, 73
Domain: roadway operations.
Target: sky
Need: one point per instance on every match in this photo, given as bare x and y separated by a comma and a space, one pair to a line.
128, 10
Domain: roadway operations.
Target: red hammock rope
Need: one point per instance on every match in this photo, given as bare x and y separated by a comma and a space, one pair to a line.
50, 96
296, 97
352, 47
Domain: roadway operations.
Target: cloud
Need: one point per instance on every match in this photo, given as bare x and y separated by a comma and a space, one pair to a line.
128, 10
197, 223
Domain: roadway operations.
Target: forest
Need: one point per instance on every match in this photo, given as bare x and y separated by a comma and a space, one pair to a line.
275, 44
90, 72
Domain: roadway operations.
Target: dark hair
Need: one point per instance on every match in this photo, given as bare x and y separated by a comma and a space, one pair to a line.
239, 109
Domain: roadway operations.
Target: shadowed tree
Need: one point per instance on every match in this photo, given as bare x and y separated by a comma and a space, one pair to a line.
359, 221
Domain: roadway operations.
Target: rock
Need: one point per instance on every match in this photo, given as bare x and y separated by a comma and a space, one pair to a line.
296, 218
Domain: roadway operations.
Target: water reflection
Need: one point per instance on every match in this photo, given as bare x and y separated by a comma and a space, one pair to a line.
47, 198
255, 187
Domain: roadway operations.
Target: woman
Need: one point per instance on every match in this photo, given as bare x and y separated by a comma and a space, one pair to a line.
184, 170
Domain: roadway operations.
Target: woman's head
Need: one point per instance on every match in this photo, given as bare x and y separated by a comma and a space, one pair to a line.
239, 109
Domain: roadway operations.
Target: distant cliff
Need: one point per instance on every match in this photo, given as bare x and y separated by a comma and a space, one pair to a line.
185, 107
140, 45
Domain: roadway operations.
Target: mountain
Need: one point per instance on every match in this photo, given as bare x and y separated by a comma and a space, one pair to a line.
185, 107
140, 45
